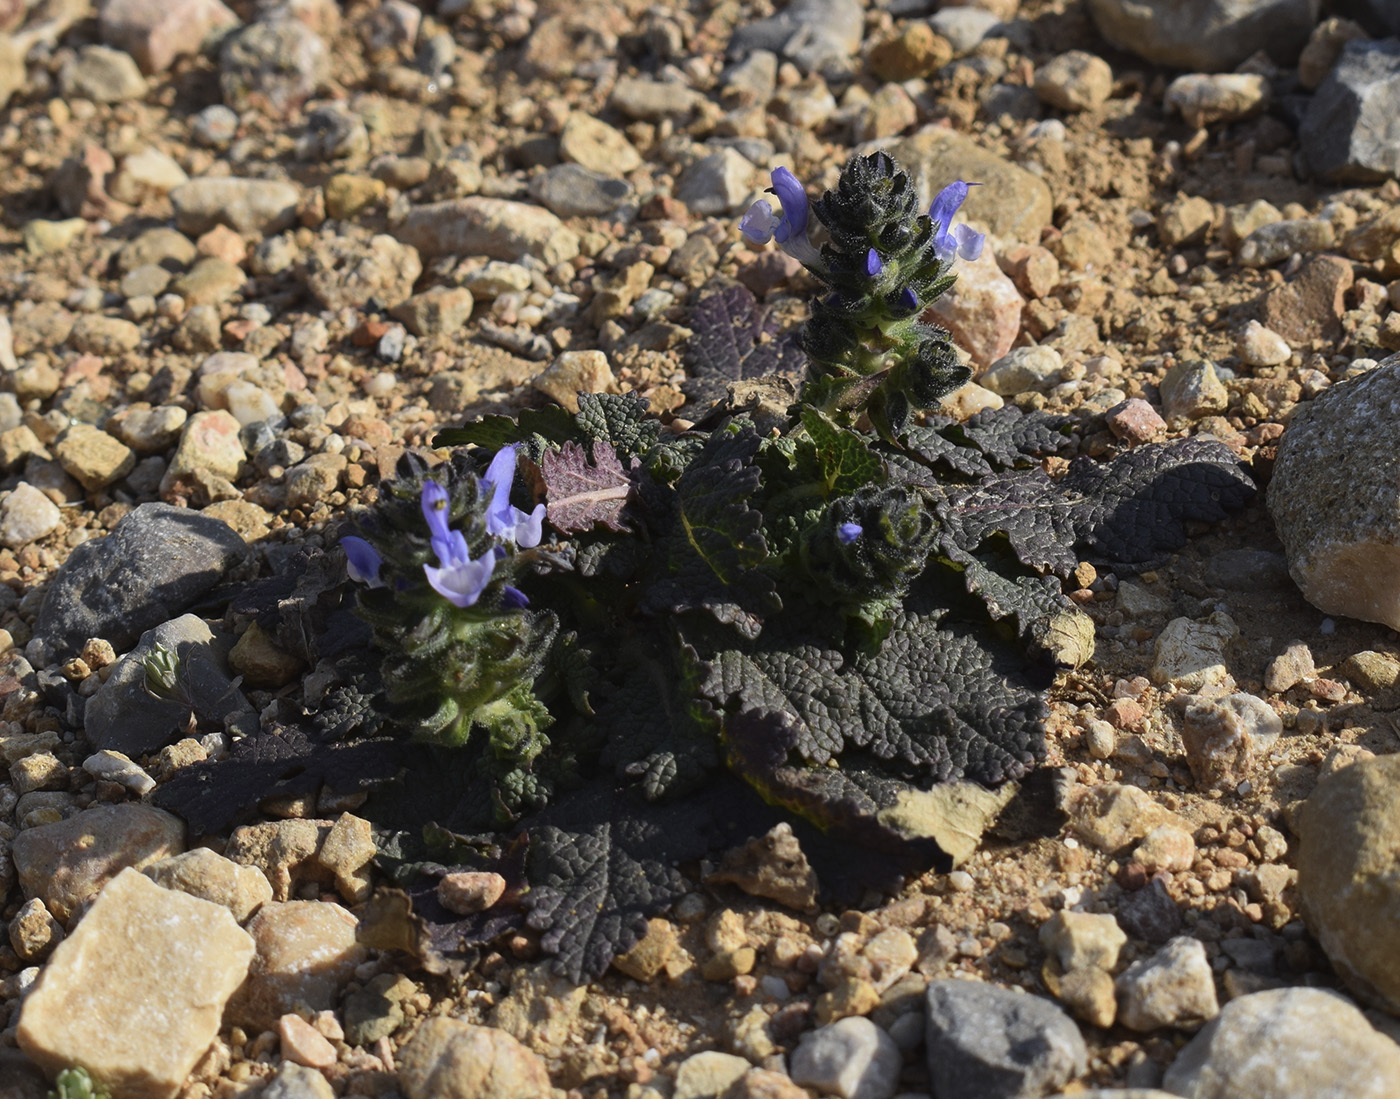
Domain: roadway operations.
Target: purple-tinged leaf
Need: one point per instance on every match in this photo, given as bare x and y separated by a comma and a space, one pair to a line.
583, 494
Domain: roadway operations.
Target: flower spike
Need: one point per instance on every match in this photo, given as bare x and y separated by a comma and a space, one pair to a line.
954, 240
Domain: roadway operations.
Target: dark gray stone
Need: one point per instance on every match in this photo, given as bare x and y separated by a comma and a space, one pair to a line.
1206, 35
1348, 133
986, 1042
1247, 570
571, 190
1380, 17
1150, 913
153, 566
125, 717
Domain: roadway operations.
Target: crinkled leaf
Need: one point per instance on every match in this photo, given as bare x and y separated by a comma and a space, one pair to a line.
948, 698
620, 422
581, 494
1128, 510
1010, 438
493, 432
845, 462
710, 557
726, 345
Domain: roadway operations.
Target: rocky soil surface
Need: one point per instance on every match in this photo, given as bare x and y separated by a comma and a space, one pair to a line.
249, 255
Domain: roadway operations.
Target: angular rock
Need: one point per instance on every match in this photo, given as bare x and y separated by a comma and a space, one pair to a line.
594, 145
102, 75
348, 273
1335, 497
436, 312
982, 310
1012, 203
155, 563
1114, 815
716, 184
813, 34
852, 1058
123, 716
450, 1059
1174, 987
1350, 838
273, 65
1202, 99
26, 515
639, 97
1083, 940
989, 1041
1347, 133
156, 34
135, 995
1191, 654
1226, 737
1279, 240
68, 862
1024, 368
771, 866
92, 457
254, 206
306, 955
202, 873
1150, 914
571, 190
1287, 1042
707, 1075
1311, 306
1074, 81
494, 227
1205, 35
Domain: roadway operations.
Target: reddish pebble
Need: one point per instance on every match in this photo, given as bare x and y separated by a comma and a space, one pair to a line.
1134, 421
302, 1043
469, 891
1124, 713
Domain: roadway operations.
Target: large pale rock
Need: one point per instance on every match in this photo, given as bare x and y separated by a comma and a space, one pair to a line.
1287, 1043
982, 310
135, 995
1335, 497
494, 227
69, 861
1348, 132
1205, 35
450, 1059
209, 876
156, 34
1011, 202
1349, 831
259, 206
1191, 654
1174, 987
306, 955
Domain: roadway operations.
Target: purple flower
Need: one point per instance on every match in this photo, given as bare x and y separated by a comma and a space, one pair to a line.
954, 240
847, 533
874, 265
525, 529
362, 561
458, 578
760, 224
513, 599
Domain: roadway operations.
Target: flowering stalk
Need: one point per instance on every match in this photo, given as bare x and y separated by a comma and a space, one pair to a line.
884, 264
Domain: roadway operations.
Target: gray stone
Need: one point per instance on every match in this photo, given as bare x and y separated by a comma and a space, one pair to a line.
852, 1058
1206, 98
294, 1081
344, 272
652, 100
273, 66
154, 564
1226, 737
333, 132
813, 34
123, 716
245, 205
964, 27
1022, 369
571, 190
1012, 202
1335, 497
1380, 17
1174, 987
717, 184
215, 126
1205, 35
1150, 914
1278, 240
102, 75
494, 227
1193, 390
1349, 831
1348, 133
991, 1042
1287, 1043
26, 515
707, 1075
1192, 655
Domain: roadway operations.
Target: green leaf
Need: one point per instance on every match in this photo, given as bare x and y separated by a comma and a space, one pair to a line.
493, 432
621, 422
845, 461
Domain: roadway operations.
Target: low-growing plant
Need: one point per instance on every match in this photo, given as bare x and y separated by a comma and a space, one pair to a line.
603, 632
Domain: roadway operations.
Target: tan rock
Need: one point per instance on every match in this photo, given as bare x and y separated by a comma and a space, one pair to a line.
650, 954
772, 866
542, 1009
306, 955
982, 309
69, 861
1113, 816
203, 873
262, 662
468, 891
1083, 940
135, 995
494, 227
284, 850
450, 1059
346, 852
302, 1043
575, 372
